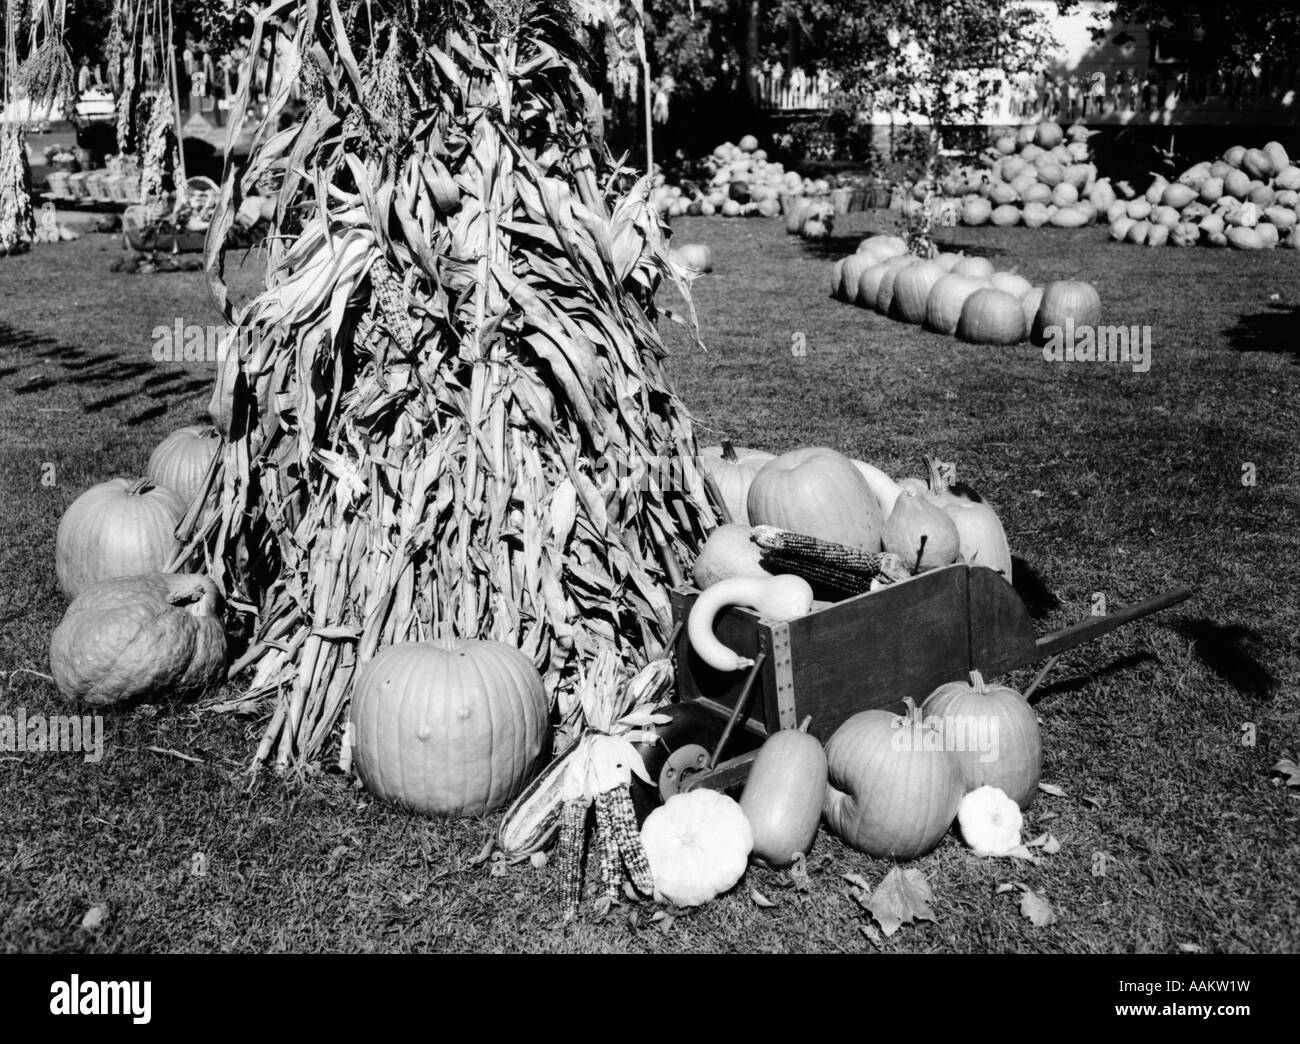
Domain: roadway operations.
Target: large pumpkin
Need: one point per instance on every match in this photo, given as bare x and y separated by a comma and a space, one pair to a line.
181, 461
817, 492
1066, 301
991, 316
155, 636
912, 286
893, 791
944, 305
122, 527
994, 735
451, 727
732, 469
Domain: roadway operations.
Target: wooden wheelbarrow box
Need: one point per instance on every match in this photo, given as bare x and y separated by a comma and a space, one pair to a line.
866, 652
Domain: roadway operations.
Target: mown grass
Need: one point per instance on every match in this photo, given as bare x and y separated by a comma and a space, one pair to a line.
1106, 480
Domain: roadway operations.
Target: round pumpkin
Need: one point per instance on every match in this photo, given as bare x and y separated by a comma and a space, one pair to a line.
1009, 282
451, 727
991, 316
997, 732
698, 845
1005, 216
1067, 300
868, 291
784, 794
694, 257
912, 286
732, 470
888, 280
181, 461
892, 792
976, 212
974, 268
817, 492
122, 527
850, 271
154, 636
943, 307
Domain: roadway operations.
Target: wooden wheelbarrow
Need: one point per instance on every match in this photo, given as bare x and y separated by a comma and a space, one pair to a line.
865, 652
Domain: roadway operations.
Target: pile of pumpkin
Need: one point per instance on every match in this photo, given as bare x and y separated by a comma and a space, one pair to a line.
1040, 175
961, 295
1249, 199
737, 180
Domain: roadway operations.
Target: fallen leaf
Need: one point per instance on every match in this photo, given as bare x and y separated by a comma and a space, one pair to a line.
1010, 886
1047, 842
760, 899
1021, 852
1289, 770
666, 924
1095, 802
858, 881
1191, 948
602, 906
799, 874
872, 933
93, 918
484, 852
1053, 789
1046, 816
903, 897
1036, 908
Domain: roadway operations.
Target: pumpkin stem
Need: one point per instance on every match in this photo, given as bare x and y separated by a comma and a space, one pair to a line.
139, 487
977, 682
803, 725
728, 451
920, 553
913, 714
936, 480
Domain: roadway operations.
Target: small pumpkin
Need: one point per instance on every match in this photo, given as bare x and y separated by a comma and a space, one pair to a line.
989, 822
976, 212
920, 533
733, 469
818, 492
698, 845
694, 257
974, 268
151, 636
450, 727
784, 795
999, 718
781, 597
991, 316
891, 791
181, 461
122, 527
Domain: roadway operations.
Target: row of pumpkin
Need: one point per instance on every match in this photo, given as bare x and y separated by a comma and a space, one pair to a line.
1248, 199
738, 180
957, 294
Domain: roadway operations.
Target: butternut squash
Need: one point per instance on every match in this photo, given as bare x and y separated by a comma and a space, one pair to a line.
784, 795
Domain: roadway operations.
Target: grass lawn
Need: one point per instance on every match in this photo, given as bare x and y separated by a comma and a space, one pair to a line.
1172, 833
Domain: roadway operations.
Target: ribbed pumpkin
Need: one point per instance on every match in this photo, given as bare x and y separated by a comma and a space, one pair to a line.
887, 795
1004, 718
820, 493
156, 636
912, 286
732, 470
698, 845
452, 727
943, 307
991, 316
869, 284
1067, 299
851, 269
1008, 282
784, 795
888, 280
974, 268
694, 257
181, 461
121, 527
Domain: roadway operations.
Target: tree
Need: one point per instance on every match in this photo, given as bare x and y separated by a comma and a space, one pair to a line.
1223, 36
937, 62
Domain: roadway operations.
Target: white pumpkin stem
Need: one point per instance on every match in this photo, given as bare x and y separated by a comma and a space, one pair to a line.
803, 725
977, 682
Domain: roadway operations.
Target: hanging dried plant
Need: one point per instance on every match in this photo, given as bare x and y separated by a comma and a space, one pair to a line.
437, 411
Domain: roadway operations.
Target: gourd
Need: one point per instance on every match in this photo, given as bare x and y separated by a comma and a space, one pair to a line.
151, 636
697, 844
781, 597
818, 492
1034, 215
991, 316
1244, 238
983, 540
943, 307
784, 795
1005, 216
727, 553
920, 533
892, 790
1067, 300
732, 470
449, 727
1070, 217
122, 527
971, 710
912, 286
1158, 235
181, 461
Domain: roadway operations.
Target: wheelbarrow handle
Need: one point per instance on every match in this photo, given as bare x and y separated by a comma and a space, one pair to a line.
1096, 626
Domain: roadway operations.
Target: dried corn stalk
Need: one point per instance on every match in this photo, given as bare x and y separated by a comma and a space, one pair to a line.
433, 410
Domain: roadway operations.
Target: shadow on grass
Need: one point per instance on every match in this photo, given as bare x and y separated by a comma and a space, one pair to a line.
1271, 331
1078, 682
1232, 652
1039, 599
